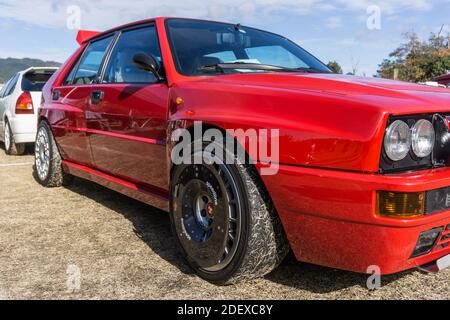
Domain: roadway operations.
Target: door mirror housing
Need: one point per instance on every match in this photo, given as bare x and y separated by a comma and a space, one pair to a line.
148, 63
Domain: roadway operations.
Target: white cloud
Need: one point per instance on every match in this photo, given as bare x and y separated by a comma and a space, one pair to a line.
333, 22
103, 14
389, 6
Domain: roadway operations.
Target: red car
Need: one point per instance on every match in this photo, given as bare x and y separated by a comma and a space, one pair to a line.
362, 180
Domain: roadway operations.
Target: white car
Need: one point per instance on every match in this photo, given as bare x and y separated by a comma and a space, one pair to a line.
19, 99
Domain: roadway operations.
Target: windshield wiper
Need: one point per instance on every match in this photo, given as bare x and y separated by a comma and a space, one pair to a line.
311, 70
221, 67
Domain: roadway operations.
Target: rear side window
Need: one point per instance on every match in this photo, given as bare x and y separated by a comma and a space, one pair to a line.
11, 86
35, 80
89, 66
121, 68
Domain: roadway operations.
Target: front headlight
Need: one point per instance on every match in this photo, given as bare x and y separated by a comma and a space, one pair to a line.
423, 138
397, 141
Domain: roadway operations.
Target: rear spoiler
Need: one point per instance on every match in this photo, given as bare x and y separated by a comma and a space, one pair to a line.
84, 35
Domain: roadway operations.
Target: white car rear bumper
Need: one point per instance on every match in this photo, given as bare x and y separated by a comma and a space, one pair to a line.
24, 128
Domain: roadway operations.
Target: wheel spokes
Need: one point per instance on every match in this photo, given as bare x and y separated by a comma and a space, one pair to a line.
42, 154
210, 214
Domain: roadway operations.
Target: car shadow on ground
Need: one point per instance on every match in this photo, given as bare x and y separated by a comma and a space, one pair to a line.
317, 279
152, 226
29, 150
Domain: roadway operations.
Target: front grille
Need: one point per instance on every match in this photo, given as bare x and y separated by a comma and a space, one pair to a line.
433, 240
444, 240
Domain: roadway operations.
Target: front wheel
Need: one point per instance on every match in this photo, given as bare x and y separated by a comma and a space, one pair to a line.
12, 148
48, 163
224, 222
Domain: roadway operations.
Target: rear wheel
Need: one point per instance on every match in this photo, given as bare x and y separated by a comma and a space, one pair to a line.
12, 148
225, 223
48, 163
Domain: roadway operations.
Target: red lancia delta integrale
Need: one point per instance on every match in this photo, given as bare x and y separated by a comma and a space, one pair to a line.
254, 147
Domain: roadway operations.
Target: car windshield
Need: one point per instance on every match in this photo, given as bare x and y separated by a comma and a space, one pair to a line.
198, 44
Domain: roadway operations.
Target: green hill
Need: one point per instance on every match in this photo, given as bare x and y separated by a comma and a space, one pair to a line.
9, 66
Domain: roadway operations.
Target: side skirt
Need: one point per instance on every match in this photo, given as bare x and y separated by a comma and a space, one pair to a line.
148, 194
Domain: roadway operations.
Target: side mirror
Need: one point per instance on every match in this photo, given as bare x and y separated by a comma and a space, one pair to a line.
148, 63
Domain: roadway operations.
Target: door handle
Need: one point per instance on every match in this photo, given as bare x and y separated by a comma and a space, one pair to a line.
97, 96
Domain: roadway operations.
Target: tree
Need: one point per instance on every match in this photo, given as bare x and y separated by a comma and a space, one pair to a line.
335, 67
416, 60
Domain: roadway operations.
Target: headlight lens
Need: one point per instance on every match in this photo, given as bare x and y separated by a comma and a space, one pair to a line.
423, 137
397, 141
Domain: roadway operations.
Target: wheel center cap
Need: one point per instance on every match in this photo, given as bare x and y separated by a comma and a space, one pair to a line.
204, 211
210, 210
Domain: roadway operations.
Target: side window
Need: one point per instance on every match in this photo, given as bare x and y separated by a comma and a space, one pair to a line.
71, 75
121, 68
11, 85
89, 66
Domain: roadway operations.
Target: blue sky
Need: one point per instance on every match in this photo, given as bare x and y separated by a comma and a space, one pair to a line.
331, 30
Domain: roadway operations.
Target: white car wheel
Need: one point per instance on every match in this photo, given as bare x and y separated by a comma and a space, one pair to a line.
7, 137
12, 148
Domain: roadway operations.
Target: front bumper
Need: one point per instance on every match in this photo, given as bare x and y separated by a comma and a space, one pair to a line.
330, 220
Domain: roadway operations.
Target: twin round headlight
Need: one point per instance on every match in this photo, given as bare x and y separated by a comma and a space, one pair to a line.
400, 139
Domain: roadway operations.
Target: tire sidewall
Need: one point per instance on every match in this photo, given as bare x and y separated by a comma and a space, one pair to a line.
9, 144
44, 126
224, 275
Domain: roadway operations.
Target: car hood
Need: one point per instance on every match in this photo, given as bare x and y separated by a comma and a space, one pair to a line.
324, 120
392, 96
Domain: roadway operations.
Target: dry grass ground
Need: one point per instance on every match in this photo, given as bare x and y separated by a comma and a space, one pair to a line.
125, 251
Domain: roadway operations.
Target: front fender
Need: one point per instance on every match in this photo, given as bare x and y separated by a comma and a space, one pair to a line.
315, 130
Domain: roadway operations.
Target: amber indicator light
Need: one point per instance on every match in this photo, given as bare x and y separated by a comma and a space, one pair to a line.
179, 101
400, 205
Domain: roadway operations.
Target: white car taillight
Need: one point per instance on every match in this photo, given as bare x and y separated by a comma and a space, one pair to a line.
24, 104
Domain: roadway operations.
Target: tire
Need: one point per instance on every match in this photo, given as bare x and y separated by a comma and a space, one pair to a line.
12, 148
224, 222
48, 168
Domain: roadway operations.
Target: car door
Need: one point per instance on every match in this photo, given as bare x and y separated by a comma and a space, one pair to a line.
127, 113
71, 100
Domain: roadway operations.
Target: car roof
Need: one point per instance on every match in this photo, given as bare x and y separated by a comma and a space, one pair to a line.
139, 22
131, 24
36, 69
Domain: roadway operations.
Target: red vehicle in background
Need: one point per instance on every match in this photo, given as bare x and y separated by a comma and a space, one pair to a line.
444, 80
363, 177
